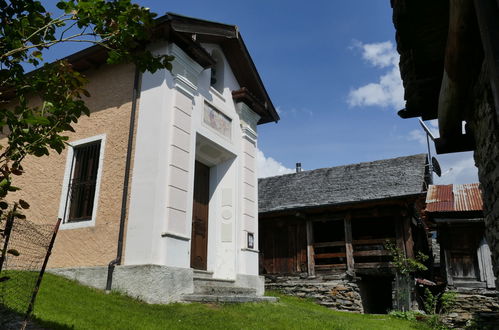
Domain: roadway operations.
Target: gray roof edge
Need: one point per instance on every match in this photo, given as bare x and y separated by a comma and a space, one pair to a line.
301, 208
345, 165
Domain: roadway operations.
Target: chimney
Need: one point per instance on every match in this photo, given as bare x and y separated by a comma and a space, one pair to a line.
298, 167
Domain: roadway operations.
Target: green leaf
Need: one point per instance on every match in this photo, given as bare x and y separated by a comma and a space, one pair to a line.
4, 183
37, 120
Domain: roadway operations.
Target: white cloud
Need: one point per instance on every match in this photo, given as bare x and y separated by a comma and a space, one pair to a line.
417, 135
388, 91
268, 166
457, 168
381, 54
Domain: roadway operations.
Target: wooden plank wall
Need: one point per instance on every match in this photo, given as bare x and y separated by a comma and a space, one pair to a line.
288, 244
283, 245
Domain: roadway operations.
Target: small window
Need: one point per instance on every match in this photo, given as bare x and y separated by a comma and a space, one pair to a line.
81, 183
251, 241
217, 72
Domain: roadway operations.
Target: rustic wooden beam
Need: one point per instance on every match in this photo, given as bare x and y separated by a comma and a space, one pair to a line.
310, 249
459, 143
371, 253
487, 12
329, 244
448, 267
371, 241
331, 266
348, 243
330, 255
457, 62
409, 242
399, 235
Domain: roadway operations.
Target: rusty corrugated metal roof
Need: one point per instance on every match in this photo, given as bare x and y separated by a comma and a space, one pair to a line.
452, 198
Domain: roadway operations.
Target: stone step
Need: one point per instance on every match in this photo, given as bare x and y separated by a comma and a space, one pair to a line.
234, 299
205, 281
202, 274
223, 290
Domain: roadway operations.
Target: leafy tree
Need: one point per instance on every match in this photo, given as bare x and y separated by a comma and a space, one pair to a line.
405, 265
27, 31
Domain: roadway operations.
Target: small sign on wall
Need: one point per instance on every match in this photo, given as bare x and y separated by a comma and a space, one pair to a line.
251, 241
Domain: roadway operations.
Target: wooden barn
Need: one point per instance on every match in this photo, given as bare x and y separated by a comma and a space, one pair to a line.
334, 221
456, 213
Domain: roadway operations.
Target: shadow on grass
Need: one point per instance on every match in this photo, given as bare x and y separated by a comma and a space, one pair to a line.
11, 319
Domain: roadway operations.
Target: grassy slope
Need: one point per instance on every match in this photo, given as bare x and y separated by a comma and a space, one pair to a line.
63, 304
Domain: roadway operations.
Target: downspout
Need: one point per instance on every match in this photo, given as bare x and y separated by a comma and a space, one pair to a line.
124, 197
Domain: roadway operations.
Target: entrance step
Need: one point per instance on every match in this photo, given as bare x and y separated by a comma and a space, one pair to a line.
234, 299
206, 281
213, 290
201, 274
223, 290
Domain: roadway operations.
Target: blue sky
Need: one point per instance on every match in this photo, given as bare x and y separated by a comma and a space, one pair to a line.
330, 67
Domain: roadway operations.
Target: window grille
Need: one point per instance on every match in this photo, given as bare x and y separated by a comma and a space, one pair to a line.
81, 190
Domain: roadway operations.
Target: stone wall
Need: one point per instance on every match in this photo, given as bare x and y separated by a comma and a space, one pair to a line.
477, 306
334, 292
484, 125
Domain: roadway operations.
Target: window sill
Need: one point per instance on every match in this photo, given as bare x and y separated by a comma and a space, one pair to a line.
77, 224
250, 250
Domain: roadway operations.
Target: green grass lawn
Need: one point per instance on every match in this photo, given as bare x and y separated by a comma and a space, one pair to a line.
63, 304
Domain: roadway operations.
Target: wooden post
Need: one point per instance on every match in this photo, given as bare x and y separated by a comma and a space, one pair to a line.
409, 242
8, 228
399, 234
456, 75
485, 264
40, 275
310, 249
448, 268
487, 12
348, 242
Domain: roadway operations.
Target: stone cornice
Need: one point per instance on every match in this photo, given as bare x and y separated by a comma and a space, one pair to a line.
249, 120
185, 70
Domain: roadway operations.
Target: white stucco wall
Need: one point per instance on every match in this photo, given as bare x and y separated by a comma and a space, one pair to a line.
171, 135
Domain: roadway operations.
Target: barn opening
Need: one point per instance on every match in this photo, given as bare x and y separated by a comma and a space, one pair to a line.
376, 293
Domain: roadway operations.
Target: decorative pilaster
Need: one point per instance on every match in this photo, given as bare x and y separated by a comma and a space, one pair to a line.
248, 120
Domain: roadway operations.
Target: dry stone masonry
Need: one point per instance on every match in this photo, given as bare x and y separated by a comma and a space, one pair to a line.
479, 307
484, 125
332, 292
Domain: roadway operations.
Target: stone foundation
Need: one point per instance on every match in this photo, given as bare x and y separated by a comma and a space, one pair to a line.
477, 306
333, 292
155, 284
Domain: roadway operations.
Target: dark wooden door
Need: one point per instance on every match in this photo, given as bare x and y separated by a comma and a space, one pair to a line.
464, 242
199, 237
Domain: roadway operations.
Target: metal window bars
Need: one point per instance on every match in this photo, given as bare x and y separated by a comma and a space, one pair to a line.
83, 182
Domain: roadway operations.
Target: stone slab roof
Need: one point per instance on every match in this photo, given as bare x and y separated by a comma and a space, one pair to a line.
377, 180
